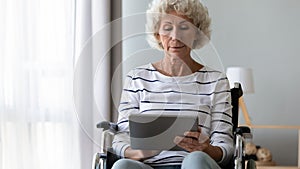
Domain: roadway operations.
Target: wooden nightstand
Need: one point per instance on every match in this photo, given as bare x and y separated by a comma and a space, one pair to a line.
276, 167
264, 164
280, 127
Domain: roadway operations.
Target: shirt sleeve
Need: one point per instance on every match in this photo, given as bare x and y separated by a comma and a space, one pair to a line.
129, 104
221, 133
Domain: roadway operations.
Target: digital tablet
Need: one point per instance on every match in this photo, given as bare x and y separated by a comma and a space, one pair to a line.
157, 132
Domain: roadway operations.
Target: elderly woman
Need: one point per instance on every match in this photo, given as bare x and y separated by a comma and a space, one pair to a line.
178, 83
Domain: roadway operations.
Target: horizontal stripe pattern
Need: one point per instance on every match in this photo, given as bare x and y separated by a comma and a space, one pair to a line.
172, 91
156, 80
205, 93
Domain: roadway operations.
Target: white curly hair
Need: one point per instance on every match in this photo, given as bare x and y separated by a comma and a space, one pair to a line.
193, 9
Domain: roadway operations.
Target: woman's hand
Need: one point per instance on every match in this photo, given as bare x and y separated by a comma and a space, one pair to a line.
192, 141
140, 154
195, 141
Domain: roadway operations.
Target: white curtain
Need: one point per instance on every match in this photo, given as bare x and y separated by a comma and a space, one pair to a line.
57, 62
38, 126
98, 54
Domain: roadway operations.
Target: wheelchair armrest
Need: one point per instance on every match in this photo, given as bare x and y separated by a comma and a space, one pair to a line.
105, 125
244, 131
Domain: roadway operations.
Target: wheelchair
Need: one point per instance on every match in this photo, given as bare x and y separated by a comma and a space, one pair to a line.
106, 157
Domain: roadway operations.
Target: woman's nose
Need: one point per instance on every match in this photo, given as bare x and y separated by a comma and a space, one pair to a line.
175, 34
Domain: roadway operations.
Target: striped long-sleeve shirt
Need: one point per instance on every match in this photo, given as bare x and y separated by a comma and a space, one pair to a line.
205, 92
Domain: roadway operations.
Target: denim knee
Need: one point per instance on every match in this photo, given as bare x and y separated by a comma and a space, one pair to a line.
122, 163
128, 163
198, 156
199, 159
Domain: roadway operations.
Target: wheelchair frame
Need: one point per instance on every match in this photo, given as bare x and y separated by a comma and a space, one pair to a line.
106, 157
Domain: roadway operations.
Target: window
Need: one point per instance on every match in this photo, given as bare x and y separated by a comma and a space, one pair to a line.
36, 69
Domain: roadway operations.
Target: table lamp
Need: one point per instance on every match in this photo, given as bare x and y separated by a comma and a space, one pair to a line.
245, 78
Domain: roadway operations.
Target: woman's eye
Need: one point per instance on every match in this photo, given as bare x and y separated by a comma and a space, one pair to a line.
167, 27
184, 27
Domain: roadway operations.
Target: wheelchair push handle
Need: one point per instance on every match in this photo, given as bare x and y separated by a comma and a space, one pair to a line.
105, 125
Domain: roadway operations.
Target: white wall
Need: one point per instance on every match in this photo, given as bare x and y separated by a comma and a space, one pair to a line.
136, 50
262, 35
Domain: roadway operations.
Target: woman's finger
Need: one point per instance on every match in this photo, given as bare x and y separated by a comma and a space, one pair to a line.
194, 134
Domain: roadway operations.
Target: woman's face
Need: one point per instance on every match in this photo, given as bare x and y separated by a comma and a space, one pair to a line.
177, 34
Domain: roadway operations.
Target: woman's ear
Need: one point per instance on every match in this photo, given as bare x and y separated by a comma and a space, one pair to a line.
157, 37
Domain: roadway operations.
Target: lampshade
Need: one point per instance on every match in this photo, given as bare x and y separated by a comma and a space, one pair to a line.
243, 76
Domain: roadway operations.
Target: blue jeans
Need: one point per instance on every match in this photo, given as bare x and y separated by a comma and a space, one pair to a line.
195, 160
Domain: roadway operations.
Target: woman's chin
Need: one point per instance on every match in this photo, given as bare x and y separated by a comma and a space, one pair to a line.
179, 52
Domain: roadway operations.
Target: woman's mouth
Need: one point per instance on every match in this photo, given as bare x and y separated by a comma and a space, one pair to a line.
177, 47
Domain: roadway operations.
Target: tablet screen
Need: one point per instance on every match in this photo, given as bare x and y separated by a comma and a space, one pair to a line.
157, 132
